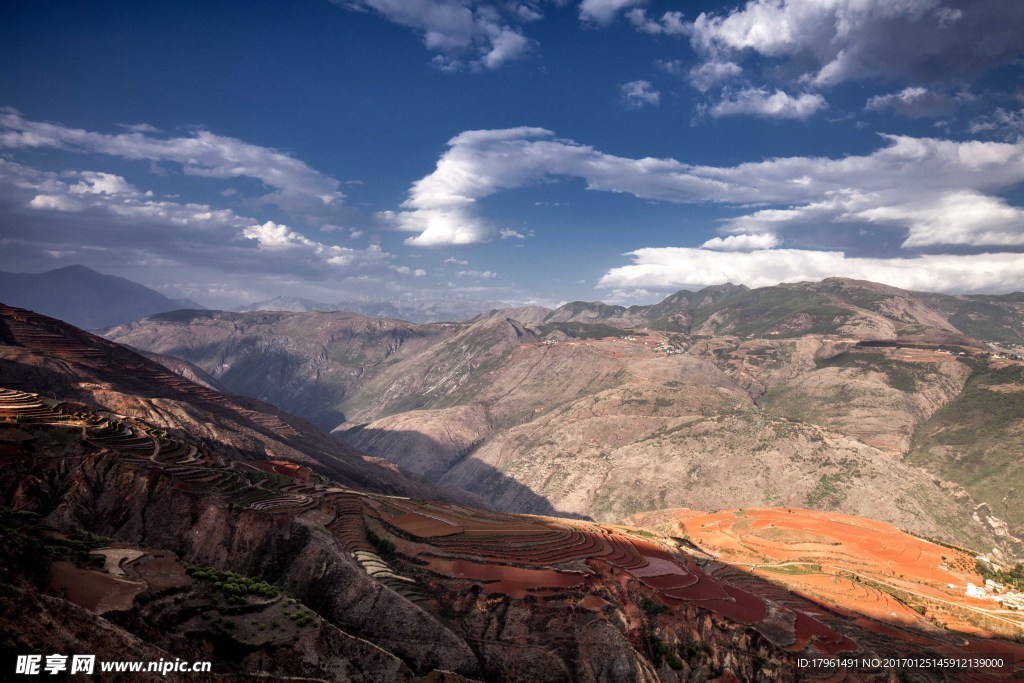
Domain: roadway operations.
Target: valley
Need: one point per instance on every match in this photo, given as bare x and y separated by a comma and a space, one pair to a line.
816, 395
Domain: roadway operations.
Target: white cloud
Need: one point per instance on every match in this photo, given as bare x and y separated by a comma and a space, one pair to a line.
510, 234
916, 102
776, 105
602, 12
111, 195
742, 242
704, 76
102, 183
491, 31
481, 274
452, 261
87, 212
963, 217
639, 94
271, 235
678, 267
507, 45
295, 185
1006, 124
832, 41
50, 202
897, 180
670, 23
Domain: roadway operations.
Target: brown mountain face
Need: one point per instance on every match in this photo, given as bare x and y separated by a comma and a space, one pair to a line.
54, 358
829, 395
305, 363
125, 540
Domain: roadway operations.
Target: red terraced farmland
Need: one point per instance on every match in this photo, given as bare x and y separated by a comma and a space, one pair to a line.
515, 582
422, 527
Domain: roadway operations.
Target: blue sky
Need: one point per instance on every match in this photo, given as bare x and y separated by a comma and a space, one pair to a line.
521, 151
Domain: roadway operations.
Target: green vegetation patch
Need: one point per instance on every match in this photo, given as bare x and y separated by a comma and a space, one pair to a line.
756, 312
582, 330
235, 587
988, 320
829, 493
27, 547
900, 375
975, 440
1013, 578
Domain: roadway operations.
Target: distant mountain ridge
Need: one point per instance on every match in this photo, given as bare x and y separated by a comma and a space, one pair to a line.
411, 310
85, 298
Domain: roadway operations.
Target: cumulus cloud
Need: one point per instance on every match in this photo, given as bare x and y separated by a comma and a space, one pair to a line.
270, 235
760, 50
891, 187
742, 242
639, 94
452, 261
678, 267
776, 105
294, 185
490, 32
406, 270
110, 195
959, 217
50, 202
831, 41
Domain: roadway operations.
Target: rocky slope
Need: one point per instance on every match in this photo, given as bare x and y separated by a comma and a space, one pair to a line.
305, 363
52, 357
810, 394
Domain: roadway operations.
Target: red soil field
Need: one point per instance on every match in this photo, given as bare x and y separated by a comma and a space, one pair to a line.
861, 565
93, 590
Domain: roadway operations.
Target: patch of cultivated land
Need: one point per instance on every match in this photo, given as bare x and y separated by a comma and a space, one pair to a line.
853, 563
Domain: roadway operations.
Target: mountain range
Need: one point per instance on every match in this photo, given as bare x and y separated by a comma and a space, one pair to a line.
147, 516
85, 298
412, 310
840, 395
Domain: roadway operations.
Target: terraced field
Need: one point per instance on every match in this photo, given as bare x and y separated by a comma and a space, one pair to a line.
434, 554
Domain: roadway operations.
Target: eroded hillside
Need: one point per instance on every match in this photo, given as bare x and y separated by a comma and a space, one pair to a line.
810, 394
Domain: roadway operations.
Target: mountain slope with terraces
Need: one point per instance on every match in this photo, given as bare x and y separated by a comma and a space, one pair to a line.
267, 566
52, 357
811, 394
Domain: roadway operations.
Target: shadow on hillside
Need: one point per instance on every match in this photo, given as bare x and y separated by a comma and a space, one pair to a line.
436, 462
